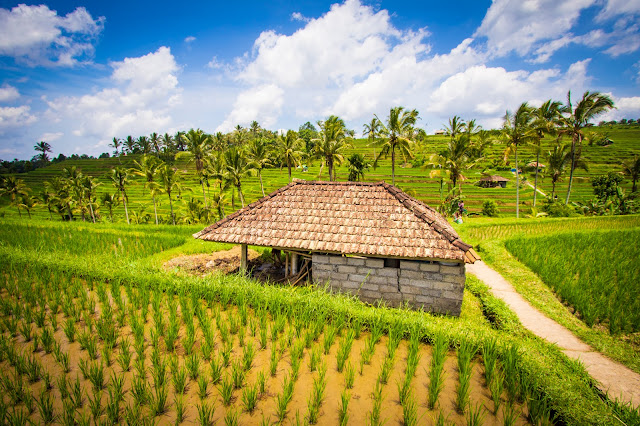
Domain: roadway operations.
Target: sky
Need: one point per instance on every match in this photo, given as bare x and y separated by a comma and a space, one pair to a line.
77, 74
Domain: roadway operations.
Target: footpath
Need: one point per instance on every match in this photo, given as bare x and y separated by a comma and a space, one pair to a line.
616, 379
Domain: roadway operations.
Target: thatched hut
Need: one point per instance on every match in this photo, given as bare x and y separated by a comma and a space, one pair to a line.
368, 239
493, 181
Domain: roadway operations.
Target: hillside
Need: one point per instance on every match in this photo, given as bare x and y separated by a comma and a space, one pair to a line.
412, 179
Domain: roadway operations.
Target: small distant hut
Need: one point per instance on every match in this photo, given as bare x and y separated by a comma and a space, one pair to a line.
493, 181
533, 165
367, 239
439, 132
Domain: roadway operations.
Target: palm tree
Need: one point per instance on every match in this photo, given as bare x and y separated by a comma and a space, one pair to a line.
547, 119
179, 141
372, 130
455, 127
116, 145
43, 148
334, 138
557, 162
197, 143
590, 106
357, 164
237, 168
154, 140
59, 187
110, 201
631, 168
130, 144
48, 200
397, 134
517, 131
15, 189
470, 128
288, 146
167, 142
169, 180
28, 202
148, 167
144, 145
120, 177
89, 186
259, 156
457, 157
73, 178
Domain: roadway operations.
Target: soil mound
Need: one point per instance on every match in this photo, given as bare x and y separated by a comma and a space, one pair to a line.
227, 261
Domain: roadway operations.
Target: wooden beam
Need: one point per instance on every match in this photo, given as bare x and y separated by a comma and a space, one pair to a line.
294, 263
243, 257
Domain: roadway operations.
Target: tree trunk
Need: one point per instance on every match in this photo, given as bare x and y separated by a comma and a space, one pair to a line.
173, 219
289, 168
203, 193
93, 216
29, 213
535, 186
634, 188
553, 190
330, 167
573, 160
19, 212
240, 195
126, 211
50, 215
517, 186
69, 210
155, 210
261, 185
393, 166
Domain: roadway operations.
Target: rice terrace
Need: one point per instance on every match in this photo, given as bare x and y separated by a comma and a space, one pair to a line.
311, 249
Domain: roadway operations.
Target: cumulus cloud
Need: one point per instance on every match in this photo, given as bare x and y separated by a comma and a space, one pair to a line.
619, 7
258, 103
189, 39
297, 16
15, 117
37, 35
50, 137
8, 93
145, 88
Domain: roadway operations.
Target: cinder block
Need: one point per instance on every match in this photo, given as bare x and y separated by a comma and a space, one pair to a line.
365, 270
410, 289
374, 263
454, 295
346, 269
410, 274
387, 272
452, 270
374, 294
319, 258
322, 267
358, 278
351, 284
429, 267
337, 260
425, 299
391, 296
433, 276
388, 288
409, 265
379, 280
336, 276
430, 292
457, 279
355, 261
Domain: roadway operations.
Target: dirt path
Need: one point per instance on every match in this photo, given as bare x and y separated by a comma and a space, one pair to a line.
613, 377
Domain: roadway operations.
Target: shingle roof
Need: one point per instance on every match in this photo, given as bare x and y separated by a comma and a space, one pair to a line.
493, 178
370, 219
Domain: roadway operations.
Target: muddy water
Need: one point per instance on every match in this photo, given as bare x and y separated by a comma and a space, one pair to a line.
360, 405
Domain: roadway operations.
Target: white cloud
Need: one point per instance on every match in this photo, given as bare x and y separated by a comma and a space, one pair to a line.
145, 90
619, 7
297, 16
516, 25
37, 35
189, 39
50, 137
15, 117
258, 103
8, 93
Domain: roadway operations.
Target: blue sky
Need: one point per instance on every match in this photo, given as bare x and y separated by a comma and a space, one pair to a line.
76, 74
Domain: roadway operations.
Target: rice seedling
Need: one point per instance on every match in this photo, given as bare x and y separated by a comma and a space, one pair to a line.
497, 387
25, 330
159, 371
387, 365
231, 418
133, 414
158, 400
33, 369
107, 352
216, 370
203, 386
96, 375
53, 320
238, 374
489, 356
248, 354
226, 353
475, 415
263, 337
76, 393
140, 390
178, 402
112, 408
250, 398
314, 358
241, 334
46, 378
349, 376
396, 332
511, 375
45, 408
189, 340
193, 366
466, 352
205, 414
47, 339
373, 416
409, 410
273, 360
317, 395
29, 401
64, 361
510, 414
226, 390
261, 382
35, 346
63, 386
344, 350
17, 418
343, 409
68, 417
12, 325
539, 411
95, 404
124, 356
436, 376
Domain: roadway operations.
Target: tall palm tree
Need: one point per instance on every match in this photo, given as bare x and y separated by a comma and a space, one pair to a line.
115, 144
455, 127
547, 119
48, 200
334, 139
169, 180
557, 160
631, 168
110, 201
120, 178
130, 144
237, 166
590, 106
397, 134
73, 178
517, 130
15, 189
167, 143
90, 185
43, 147
59, 187
357, 164
179, 141
471, 128
457, 157
154, 140
259, 156
148, 167
372, 129
28, 202
197, 143
289, 149
143, 144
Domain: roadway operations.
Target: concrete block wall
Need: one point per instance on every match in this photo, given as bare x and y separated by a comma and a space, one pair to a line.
434, 286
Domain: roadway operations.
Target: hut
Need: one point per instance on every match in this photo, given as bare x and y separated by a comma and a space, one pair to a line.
535, 165
367, 239
493, 181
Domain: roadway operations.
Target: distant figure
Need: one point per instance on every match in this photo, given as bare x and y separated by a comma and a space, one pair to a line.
461, 208
457, 217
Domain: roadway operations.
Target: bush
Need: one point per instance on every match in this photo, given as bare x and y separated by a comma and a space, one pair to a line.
558, 209
490, 208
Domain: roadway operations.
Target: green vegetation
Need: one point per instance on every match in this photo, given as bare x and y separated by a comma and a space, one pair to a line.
596, 272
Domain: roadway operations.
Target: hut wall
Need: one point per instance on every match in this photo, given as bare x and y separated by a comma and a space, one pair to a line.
434, 286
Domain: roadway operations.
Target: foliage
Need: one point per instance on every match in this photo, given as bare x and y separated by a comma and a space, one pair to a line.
490, 208
606, 186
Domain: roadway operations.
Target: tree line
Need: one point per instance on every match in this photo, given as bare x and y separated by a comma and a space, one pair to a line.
222, 162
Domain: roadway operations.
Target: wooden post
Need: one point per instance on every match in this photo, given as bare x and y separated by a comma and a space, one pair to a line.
286, 264
294, 263
243, 257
